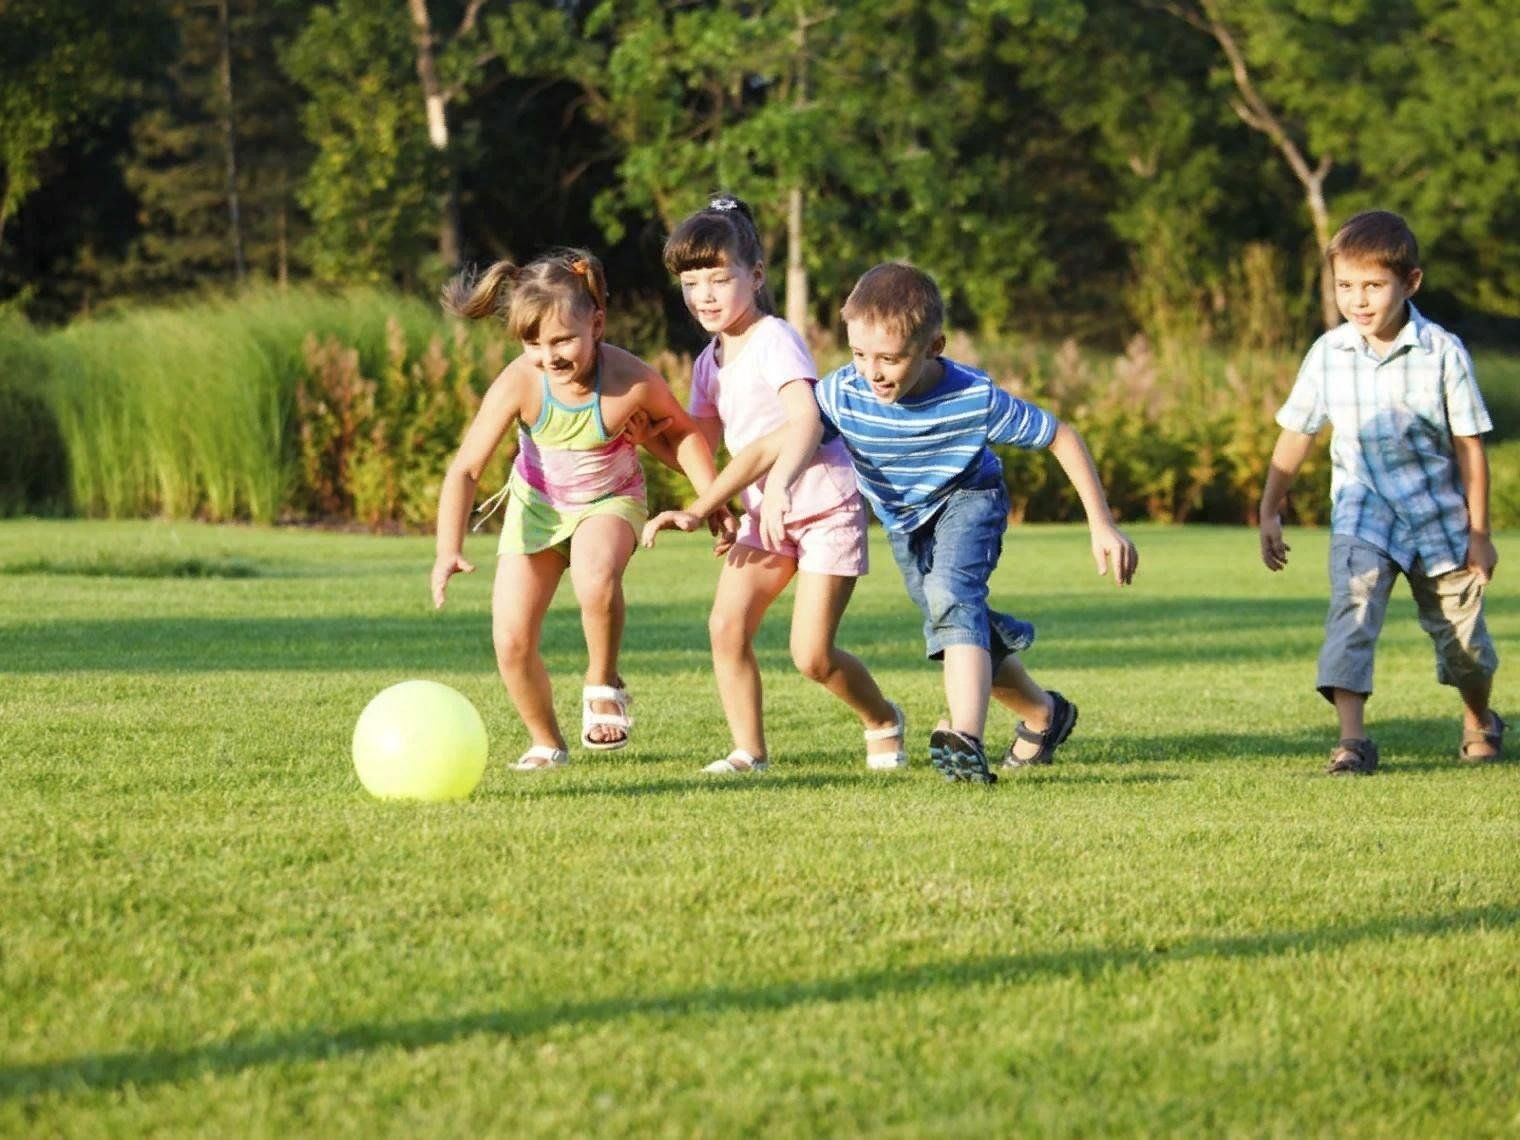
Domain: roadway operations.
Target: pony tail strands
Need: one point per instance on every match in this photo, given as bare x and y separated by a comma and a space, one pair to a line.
590, 271
475, 297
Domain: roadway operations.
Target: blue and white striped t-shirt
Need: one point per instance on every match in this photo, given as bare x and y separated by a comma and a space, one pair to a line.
911, 455
1394, 480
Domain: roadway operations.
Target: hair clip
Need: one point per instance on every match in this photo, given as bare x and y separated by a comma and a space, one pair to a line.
723, 203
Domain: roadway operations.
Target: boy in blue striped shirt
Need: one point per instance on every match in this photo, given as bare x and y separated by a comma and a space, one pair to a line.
919, 428
1408, 490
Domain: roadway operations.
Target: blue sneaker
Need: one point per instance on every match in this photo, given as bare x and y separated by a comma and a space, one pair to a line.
959, 757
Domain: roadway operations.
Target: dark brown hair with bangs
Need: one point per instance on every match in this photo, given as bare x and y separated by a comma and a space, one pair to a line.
1380, 237
564, 281
724, 233
898, 297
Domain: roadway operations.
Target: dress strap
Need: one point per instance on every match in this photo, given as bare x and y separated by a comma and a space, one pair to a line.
490, 505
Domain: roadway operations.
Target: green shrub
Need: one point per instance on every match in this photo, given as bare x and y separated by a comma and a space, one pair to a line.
34, 477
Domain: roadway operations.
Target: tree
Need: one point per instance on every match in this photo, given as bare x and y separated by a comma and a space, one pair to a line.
217, 154
372, 178
60, 62
1305, 75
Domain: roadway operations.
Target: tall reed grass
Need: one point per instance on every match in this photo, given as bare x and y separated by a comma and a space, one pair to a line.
187, 411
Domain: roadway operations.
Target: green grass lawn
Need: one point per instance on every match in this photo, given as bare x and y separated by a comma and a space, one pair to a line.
1182, 927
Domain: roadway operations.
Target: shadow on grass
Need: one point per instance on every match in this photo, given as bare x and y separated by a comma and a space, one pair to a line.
699, 784
112, 1071
1075, 633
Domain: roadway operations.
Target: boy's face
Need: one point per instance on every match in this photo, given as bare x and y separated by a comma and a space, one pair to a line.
1372, 296
895, 367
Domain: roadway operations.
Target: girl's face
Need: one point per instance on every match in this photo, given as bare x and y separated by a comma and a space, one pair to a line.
722, 297
565, 343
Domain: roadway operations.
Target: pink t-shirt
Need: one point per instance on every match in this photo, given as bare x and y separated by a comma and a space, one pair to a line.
744, 394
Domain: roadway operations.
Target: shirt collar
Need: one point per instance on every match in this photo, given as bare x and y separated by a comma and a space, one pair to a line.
1414, 334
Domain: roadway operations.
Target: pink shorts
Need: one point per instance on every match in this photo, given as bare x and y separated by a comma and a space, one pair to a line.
831, 543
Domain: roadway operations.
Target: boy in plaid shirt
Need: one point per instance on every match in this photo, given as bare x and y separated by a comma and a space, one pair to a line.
1409, 488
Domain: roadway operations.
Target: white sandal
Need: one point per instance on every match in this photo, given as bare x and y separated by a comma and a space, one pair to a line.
539, 757
736, 763
885, 761
620, 719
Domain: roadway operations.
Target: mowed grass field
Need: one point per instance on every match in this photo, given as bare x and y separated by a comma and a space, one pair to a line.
1182, 927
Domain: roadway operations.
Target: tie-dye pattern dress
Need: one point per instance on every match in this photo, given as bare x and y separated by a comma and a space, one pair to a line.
567, 470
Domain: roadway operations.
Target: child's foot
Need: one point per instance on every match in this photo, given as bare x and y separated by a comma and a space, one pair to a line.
541, 756
1480, 745
737, 763
1038, 746
605, 720
959, 757
886, 744
1353, 757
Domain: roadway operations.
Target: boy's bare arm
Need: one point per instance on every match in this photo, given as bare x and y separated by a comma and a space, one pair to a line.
1110, 545
1472, 464
1288, 455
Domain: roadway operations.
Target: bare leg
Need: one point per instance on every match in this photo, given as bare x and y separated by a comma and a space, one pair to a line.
968, 683
1476, 716
750, 582
599, 554
1350, 710
524, 587
816, 611
1015, 689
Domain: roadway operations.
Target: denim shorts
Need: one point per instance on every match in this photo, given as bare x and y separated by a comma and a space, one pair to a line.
946, 564
1450, 609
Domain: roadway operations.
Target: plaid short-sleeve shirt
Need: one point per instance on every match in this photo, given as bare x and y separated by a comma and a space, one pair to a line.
1394, 478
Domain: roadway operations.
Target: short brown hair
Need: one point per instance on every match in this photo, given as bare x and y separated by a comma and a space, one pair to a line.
899, 297
1380, 237
563, 281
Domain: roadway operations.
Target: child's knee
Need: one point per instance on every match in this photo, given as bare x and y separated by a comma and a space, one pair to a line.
597, 589
514, 645
726, 630
813, 660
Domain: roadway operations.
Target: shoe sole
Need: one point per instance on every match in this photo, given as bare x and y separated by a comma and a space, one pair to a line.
957, 763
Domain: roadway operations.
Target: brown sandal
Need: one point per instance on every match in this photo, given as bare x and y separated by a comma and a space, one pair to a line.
1492, 737
1353, 757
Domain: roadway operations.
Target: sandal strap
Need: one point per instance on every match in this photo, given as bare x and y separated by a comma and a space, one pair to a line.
606, 693
892, 732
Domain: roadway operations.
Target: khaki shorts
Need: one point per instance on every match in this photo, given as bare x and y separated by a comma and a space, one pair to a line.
1450, 607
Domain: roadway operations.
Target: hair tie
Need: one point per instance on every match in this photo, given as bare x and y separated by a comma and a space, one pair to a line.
723, 203
581, 267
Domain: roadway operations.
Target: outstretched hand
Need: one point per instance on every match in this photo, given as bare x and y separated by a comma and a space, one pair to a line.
1274, 551
1112, 549
681, 520
445, 568
640, 429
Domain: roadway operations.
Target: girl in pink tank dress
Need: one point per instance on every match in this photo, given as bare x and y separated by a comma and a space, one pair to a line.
575, 498
805, 520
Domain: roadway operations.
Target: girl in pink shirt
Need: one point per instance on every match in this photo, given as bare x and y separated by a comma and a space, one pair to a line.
805, 520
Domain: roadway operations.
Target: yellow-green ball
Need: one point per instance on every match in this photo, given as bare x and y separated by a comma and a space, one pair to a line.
420, 740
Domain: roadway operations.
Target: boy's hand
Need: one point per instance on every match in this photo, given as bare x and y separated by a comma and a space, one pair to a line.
681, 520
1274, 551
445, 568
639, 428
1481, 556
1112, 547
773, 510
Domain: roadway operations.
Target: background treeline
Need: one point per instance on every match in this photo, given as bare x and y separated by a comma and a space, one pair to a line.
1072, 170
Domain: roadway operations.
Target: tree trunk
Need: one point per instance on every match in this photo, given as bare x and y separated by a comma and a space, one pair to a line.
436, 106
229, 143
796, 271
796, 267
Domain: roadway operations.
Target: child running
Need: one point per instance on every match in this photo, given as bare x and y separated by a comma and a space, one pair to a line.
1409, 487
806, 521
917, 427
575, 496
